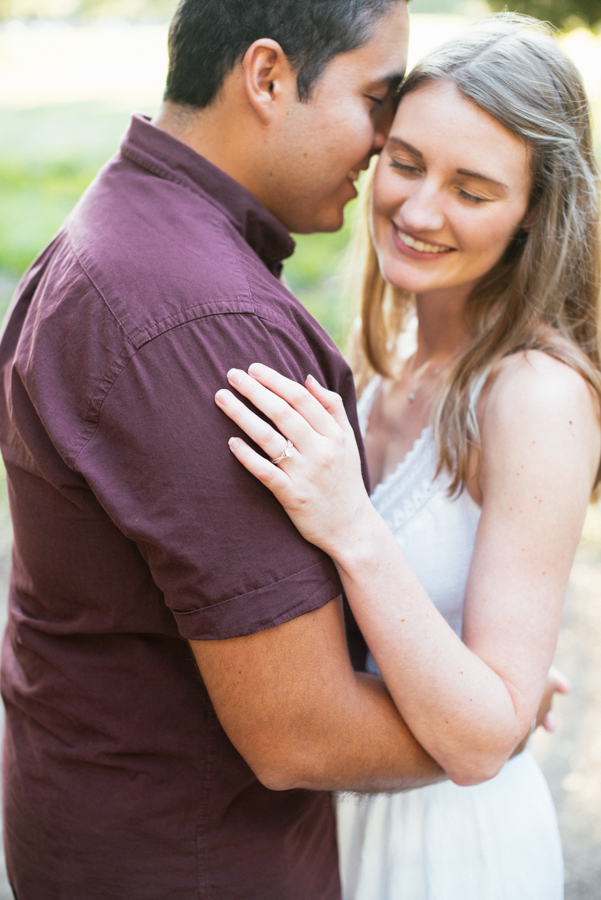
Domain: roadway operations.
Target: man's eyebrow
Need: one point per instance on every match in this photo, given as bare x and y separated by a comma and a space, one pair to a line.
393, 80
482, 177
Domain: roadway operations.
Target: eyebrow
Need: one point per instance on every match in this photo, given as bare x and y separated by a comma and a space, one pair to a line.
406, 146
482, 177
467, 172
391, 81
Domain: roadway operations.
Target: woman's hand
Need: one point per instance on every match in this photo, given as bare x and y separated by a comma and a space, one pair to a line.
320, 485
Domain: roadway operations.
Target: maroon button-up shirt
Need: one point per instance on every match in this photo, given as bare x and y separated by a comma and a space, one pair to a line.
136, 529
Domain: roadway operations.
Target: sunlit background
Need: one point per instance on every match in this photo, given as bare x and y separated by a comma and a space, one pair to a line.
71, 73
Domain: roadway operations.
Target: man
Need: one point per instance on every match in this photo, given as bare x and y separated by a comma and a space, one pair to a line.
144, 554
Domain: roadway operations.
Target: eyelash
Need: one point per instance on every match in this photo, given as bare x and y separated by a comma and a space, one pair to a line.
410, 170
413, 170
471, 198
379, 101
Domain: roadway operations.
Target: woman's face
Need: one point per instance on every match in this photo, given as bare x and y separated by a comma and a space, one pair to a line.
450, 191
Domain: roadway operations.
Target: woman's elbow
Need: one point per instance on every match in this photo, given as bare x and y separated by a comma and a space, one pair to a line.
474, 761
475, 769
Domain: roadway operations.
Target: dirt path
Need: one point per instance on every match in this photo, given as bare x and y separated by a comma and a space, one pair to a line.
571, 757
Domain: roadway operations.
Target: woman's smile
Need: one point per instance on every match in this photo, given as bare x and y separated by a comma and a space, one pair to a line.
417, 248
451, 191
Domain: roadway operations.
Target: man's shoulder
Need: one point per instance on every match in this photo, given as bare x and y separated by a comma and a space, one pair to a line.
157, 254
136, 283
160, 255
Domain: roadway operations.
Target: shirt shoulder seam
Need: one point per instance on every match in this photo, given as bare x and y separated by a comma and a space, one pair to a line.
205, 314
98, 290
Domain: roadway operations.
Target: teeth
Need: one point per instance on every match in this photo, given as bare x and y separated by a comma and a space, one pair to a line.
419, 245
354, 174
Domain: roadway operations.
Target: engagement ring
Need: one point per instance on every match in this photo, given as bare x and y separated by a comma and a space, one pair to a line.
290, 448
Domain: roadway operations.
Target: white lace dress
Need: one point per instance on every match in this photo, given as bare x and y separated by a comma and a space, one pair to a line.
495, 841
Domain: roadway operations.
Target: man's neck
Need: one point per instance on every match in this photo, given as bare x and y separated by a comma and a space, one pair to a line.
205, 132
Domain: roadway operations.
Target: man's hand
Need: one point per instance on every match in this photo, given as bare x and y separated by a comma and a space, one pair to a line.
557, 683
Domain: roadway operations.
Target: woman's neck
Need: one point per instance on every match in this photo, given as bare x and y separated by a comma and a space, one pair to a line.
441, 330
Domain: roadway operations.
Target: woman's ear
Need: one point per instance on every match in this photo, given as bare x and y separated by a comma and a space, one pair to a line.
529, 219
268, 77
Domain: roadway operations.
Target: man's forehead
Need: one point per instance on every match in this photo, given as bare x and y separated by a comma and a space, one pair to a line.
384, 55
378, 64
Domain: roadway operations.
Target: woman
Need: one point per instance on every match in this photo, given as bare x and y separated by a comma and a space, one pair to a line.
483, 446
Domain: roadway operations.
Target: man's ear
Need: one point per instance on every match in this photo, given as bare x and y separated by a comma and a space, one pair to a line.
268, 76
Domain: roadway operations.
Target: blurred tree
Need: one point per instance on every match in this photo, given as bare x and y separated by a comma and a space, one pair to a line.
562, 13
444, 7
84, 9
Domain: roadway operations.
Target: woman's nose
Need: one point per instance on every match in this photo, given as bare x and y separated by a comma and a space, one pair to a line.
423, 209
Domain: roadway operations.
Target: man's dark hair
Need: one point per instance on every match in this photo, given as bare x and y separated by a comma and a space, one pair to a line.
208, 38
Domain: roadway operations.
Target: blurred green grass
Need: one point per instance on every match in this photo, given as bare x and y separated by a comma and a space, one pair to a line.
48, 156
33, 202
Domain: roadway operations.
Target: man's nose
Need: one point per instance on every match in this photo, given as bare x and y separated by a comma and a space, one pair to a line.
383, 123
380, 136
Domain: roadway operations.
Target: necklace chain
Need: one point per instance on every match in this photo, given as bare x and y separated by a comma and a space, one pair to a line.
415, 377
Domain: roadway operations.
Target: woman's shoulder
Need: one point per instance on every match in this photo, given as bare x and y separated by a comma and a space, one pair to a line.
536, 383
534, 400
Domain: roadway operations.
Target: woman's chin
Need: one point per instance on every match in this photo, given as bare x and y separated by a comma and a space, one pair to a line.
397, 277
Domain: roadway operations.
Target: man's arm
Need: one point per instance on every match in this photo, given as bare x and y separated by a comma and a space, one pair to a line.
300, 716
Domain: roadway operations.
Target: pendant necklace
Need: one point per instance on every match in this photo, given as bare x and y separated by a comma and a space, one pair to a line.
416, 375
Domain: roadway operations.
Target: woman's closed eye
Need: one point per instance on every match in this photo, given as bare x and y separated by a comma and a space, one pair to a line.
472, 198
405, 168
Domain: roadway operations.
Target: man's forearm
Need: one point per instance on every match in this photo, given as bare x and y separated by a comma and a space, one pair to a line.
300, 716
371, 751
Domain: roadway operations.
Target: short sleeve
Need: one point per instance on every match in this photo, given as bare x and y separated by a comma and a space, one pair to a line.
219, 546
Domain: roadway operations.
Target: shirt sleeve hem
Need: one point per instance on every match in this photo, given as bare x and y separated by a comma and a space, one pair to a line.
263, 608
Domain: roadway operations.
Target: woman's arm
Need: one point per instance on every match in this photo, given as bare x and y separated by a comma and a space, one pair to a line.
469, 703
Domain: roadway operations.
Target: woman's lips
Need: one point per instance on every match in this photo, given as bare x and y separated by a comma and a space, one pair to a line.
417, 249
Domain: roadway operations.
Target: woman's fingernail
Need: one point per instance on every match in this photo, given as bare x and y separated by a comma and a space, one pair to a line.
235, 376
222, 397
309, 378
234, 443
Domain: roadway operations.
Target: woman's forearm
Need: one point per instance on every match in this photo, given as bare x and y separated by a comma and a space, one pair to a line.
461, 711
468, 703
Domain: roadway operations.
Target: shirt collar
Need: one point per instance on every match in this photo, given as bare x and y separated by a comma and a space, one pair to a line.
165, 156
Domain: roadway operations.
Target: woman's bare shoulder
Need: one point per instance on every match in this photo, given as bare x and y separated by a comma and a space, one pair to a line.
539, 408
536, 385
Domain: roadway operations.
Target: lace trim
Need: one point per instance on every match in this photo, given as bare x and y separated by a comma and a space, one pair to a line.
406, 490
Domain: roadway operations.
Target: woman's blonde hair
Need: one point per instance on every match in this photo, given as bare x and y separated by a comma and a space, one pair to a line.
512, 68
